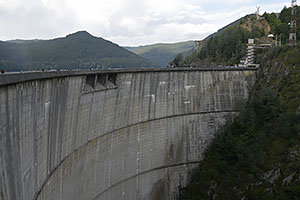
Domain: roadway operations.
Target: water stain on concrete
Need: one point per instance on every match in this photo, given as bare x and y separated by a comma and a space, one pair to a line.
160, 190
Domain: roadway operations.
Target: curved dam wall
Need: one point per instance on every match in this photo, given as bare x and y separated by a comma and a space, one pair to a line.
111, 135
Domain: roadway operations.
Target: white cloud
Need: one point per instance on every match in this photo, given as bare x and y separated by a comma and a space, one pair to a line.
275, 7
9, 4
126, 22
231, 2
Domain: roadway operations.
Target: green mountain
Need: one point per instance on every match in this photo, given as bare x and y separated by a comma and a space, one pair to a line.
236, 22
193, 57
163, 53
228, 45
78, 50
258, 155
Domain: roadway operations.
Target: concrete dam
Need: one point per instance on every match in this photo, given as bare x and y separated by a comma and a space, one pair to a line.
111, 135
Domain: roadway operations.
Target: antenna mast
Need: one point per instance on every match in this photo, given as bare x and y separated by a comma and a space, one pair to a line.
293, 25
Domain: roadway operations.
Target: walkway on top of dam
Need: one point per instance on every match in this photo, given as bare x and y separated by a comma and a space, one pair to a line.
10, 78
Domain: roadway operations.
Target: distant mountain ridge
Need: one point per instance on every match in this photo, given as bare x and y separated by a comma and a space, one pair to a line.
77, 50
19, 41
163, 53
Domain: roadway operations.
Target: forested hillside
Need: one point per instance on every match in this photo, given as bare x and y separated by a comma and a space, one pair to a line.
228, 46
75, 51
258, 155
163, 53
280, 25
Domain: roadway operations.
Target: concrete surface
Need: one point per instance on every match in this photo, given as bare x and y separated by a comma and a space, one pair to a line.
111, 135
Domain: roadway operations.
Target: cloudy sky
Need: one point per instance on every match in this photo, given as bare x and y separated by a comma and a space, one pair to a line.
126, 22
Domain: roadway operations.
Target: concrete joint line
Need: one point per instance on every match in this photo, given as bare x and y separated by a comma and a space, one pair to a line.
125, 127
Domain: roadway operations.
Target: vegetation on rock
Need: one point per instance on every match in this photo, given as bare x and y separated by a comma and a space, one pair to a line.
258, 155
228, 46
